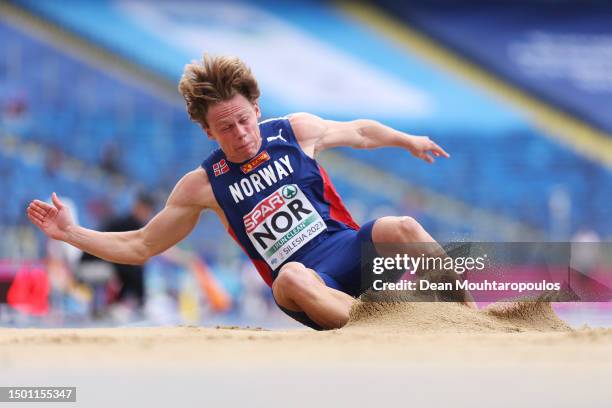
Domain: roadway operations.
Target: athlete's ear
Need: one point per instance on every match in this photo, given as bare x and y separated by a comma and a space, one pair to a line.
257, 110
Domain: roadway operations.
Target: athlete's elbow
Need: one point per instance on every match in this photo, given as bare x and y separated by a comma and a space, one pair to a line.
140, 253
140, 260
368, 134
141, 247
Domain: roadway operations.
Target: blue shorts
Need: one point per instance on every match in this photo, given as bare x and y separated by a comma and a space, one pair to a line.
337, 260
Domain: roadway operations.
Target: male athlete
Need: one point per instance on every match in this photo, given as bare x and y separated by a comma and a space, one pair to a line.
269, 192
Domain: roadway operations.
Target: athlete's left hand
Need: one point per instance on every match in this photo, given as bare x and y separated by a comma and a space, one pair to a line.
425, 148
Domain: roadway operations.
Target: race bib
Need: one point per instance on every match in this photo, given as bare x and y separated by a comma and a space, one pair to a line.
282, 223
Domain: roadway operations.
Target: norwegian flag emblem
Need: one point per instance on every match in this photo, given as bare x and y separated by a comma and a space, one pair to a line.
220, 167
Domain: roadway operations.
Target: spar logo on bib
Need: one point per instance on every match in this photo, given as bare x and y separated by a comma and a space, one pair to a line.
289, 191
282, 223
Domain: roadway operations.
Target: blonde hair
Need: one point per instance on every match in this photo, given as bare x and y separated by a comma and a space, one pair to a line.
213, 80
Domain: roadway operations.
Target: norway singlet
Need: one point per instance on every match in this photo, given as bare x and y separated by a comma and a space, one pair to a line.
280, 204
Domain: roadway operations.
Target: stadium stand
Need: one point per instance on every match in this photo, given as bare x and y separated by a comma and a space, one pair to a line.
507, 172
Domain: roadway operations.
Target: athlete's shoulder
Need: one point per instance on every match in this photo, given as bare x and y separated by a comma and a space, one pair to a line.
306, 125
298, 116
308, 130
301, 124
193, 189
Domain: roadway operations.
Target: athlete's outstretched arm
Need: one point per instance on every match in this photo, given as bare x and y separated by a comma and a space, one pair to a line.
315, 135
168, 227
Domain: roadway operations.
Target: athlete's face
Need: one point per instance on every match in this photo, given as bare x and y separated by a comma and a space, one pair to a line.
233, 124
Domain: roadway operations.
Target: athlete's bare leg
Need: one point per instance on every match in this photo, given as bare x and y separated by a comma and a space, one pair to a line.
300, 289
389, 233
392, 233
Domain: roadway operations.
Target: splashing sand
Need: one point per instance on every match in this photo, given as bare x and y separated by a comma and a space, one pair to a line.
396, 312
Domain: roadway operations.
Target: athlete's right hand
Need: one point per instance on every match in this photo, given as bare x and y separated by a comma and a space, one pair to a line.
54, 220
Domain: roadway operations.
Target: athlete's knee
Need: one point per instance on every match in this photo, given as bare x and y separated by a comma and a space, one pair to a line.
397, 229
294, 278
408, 226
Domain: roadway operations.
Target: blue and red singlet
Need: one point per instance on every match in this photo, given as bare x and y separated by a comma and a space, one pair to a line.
281, 207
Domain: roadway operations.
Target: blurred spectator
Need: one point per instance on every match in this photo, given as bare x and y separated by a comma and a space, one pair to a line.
131, 277
110, 159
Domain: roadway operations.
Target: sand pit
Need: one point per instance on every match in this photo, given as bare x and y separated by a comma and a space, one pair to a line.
386, 346
377, 332
423, 317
